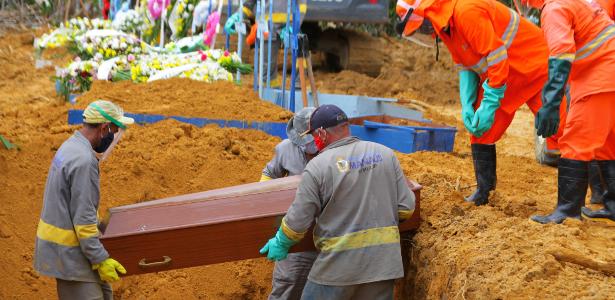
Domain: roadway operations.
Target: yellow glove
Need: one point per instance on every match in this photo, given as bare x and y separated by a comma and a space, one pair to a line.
265, 178
108, 269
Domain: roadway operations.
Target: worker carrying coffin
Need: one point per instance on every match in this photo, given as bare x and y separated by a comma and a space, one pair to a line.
581, 39
291, 156
356, 193
503, 64
67, 239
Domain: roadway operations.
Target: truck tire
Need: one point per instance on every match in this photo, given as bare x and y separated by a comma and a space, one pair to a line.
542, 155
351, 50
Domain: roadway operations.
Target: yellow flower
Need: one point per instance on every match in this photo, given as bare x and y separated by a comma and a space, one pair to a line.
180, 8
90, 49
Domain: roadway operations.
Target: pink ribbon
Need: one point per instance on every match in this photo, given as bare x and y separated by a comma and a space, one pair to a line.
210, 30
155, 7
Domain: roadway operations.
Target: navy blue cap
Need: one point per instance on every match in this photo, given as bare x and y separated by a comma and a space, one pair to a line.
327, 116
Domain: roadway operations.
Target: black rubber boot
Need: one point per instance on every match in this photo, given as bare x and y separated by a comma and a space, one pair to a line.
607, 169
571, 191
595, 183
484, 168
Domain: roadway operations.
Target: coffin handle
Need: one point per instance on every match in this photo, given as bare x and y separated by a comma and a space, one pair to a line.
166, 260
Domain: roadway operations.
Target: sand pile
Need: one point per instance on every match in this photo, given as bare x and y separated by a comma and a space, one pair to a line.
185, 97
460, 251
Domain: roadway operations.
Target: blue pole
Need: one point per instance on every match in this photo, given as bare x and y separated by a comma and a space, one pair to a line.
256, 49
229, 12
271, 33
239, 37
295, 48
288, 5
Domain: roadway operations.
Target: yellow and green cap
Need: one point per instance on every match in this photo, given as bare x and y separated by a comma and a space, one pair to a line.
103, 111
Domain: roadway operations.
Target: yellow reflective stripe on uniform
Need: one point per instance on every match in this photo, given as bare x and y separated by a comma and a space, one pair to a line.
405, 214
511, 29
280, 17
264, 178
480, 67
60, 236
86, 231
594, 44
497, 56
291, 234
359, 239
564, 56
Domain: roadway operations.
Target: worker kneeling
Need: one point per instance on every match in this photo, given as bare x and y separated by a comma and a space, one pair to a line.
356, 193
503, 61
67, 239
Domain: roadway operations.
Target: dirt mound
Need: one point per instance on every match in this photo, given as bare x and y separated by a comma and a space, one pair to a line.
409, 71
185, 97
495, 252
460, 251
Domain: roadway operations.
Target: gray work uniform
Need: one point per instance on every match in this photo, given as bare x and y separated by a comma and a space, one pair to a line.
379, 290
67, 237
288, 160
289, 275
356, 191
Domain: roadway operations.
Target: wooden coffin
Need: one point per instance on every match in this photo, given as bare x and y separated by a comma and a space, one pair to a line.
204, 228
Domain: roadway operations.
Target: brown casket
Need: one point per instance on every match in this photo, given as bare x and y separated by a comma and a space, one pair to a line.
204, 228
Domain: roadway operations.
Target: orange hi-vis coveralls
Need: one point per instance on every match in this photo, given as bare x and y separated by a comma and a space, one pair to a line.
495, 42
582, 33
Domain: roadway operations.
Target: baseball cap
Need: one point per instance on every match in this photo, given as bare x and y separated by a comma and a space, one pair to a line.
326, 116
103, 111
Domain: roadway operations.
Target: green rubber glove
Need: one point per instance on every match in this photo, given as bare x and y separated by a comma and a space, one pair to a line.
277, 247
229, 26
547, 118
485, 114
468, 86
108, 269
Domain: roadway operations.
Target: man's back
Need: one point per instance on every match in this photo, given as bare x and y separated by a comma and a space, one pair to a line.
355, 189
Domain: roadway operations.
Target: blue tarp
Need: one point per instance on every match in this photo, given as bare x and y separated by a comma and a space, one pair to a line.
406, 139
